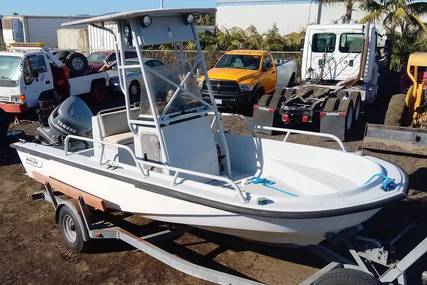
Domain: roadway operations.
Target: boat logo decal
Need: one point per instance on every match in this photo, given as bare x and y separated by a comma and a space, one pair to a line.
33, 161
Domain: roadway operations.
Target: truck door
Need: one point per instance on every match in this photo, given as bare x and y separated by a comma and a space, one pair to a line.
350, 50
37, 78
322, 61
269, 74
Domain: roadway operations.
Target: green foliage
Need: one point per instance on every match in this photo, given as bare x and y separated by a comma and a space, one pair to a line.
237, 38
401, 19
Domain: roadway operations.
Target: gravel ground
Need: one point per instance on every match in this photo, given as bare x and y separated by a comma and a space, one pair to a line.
32, 251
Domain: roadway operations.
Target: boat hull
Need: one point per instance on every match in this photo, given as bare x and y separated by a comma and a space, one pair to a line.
127, 197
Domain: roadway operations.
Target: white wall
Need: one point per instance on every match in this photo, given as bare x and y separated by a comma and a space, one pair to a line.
289, 15
38, 29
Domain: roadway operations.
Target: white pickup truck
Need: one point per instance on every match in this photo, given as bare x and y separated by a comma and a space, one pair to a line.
28, 73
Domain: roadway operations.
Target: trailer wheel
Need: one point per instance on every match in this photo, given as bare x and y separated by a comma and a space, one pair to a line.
345, 276
72, 230
346, 107
77, 63
357, 104
397, 112
331, 105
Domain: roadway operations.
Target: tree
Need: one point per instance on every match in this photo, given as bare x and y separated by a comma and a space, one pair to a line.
401, 20
349, 7
397, 16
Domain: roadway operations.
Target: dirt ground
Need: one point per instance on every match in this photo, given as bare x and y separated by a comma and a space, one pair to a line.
32, 251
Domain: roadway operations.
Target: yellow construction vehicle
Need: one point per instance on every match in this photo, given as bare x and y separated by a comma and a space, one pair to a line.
405, 124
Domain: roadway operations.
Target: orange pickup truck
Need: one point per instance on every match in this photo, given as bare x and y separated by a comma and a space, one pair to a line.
241, 77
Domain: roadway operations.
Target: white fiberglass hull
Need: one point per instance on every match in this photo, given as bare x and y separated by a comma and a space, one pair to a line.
125, 195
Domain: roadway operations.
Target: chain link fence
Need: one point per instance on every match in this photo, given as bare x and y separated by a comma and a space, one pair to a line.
213, 56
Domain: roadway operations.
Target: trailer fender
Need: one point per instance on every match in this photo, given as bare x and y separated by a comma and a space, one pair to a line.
72, 204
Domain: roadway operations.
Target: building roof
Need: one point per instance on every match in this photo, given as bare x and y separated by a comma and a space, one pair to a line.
133, 14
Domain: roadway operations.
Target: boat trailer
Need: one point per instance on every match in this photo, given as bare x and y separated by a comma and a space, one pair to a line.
373, 251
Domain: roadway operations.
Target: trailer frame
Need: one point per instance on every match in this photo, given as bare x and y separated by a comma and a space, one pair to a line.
95, 230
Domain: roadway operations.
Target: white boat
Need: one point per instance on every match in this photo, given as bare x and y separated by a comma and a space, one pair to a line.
170, 160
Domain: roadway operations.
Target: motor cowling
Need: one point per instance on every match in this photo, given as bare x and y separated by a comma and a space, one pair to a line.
72, 117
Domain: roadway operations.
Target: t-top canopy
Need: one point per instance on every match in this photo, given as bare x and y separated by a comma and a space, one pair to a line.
115, 17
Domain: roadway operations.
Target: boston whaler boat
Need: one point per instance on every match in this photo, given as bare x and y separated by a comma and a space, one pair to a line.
168, 158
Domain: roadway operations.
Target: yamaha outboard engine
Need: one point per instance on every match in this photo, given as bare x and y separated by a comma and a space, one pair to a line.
72, 117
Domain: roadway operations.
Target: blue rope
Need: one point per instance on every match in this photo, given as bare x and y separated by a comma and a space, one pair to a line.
388, 183
269, 183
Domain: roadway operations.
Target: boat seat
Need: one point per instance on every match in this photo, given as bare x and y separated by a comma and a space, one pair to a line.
122, 138
114, 127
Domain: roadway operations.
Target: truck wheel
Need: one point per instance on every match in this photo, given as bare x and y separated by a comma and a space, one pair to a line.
346, 107
331, 105
99, 93
397, 112
357, 103
4, 126
72, 230
134, 90
77, 63
345, 276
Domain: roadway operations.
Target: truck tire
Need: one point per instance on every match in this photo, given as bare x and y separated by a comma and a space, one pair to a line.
346, 107
4, 126
72, 230
397, 112
77, 63
134, 91
331, 105
345, 276
47, 103
98, 93
357, 104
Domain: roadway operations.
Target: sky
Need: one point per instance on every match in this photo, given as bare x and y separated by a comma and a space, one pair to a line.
91, 7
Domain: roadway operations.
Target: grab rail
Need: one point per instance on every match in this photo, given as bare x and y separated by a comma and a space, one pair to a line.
288, 132
140, 165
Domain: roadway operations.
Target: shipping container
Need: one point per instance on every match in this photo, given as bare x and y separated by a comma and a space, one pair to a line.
73, 38
33, 28
100, 39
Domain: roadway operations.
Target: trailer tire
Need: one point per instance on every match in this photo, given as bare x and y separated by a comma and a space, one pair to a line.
345, 276
357, 104
397, 112
346, 106
77, 63
72, 230
331, 105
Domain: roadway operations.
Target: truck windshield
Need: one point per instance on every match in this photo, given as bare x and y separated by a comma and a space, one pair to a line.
10, 70
238, 61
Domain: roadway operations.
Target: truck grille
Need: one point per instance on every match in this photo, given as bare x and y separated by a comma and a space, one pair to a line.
4, 99
223, 87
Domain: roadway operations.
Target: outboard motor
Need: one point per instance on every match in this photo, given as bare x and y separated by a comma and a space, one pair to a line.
72, 117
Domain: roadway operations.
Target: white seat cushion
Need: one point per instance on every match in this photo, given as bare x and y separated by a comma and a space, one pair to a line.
122, 138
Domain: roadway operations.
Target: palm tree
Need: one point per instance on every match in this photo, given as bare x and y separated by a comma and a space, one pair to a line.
349, 7
397, 16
